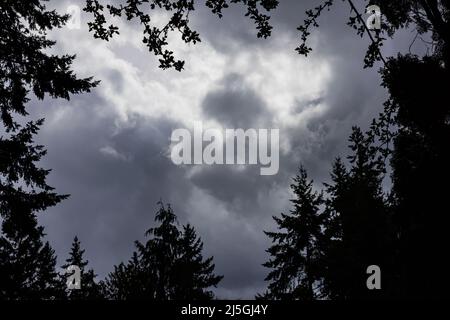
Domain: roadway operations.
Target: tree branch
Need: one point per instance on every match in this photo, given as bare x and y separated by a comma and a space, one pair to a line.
367, 30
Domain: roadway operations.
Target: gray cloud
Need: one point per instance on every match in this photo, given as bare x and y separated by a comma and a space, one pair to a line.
113, 199
235, 105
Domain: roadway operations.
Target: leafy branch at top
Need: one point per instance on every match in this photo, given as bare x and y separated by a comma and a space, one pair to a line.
156, 38
311, 20
426, 16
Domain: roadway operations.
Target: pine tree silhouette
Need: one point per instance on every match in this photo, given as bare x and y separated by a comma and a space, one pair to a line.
89, 290
295, 253
192, 274
358, 225
335, 273
27, 263
130, 282
161, 250
168, 266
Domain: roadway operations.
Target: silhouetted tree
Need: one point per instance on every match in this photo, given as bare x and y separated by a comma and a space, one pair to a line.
160, 252
413, 131
168, 266
296, 254
358, 226
334, 263
420, 158
425, 16
89, 290
129, 282
27, 264
192, 274
26, 64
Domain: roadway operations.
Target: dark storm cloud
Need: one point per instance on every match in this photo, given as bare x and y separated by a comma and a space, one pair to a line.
114, 176
353, 97
236, 188
235, 105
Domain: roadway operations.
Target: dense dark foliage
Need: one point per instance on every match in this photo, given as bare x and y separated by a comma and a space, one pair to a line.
402, 230
27, 263
169, 266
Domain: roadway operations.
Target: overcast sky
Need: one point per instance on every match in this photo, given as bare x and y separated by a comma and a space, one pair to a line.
109, 149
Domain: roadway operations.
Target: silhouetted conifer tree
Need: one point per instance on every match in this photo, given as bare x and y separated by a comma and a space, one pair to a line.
358, 224
168, 266
27, 263
160, 251
295, 253
89, 290
129, 282
192, 274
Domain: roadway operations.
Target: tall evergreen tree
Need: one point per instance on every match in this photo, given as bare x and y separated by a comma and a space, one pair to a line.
335, 272
27, 264
358, 225
89, 290
192, 274
160, 252
168, 266
296, 254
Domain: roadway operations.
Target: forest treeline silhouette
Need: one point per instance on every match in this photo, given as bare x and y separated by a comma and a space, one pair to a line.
323, 246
